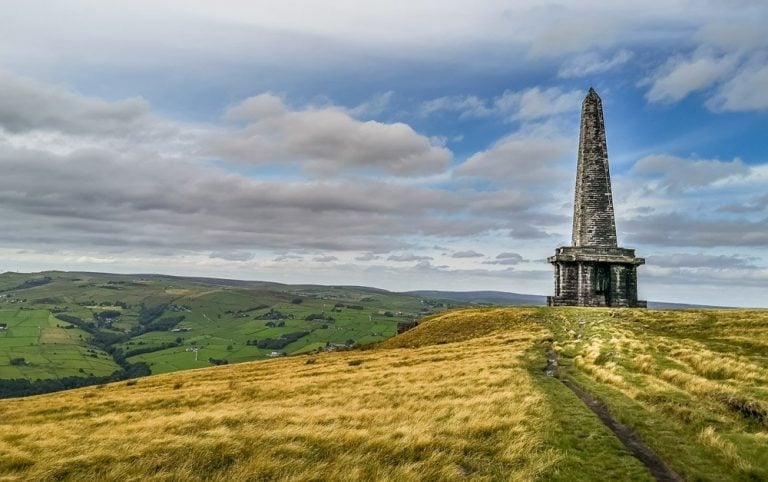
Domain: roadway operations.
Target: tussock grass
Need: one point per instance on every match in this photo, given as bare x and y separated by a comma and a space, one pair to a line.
692, 383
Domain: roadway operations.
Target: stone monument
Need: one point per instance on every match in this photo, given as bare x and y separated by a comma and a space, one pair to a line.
594, 271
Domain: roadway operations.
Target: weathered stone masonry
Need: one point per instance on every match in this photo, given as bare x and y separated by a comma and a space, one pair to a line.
594, 271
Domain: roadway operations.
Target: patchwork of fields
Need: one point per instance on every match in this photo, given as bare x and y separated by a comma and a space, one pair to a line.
93, 325
48, 349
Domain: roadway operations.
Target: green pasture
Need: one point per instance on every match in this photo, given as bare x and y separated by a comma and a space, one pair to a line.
219, 318
219, 330
48, 350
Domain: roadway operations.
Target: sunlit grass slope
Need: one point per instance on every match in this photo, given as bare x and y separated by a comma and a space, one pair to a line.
463, 396
693, 384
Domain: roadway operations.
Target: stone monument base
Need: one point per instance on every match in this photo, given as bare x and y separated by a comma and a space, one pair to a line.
595, 276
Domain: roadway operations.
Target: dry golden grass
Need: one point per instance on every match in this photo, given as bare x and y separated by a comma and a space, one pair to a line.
434, 412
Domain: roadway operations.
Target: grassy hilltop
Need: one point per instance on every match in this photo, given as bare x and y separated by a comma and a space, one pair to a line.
464, 395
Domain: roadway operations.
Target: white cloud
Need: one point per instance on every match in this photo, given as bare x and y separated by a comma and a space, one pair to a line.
590, 63
682, 76
745, 91
372, 107
525, 105
324, 141
467, 106
520, 160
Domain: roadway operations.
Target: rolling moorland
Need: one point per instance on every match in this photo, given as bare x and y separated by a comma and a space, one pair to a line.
473, 393
62, 330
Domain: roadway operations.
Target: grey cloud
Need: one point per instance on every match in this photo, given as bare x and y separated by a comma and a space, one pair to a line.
367, 257
287, 257
676, 229
690, 260
196, 204
324, 141
467, 254
408, 258
678, 174
232, 255
108, 198
28, 105
735, 277
756, 204
506, 258
325, 258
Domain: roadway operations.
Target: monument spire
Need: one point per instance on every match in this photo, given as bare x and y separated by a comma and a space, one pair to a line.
594, 271
593, 218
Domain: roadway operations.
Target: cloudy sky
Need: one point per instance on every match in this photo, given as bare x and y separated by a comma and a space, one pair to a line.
415, 144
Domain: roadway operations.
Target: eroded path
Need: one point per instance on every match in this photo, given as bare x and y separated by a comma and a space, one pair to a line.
656, 466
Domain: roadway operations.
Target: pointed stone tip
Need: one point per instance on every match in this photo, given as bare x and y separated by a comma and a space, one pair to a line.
592, 94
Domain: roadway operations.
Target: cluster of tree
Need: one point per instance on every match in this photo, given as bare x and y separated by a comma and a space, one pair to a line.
163, 324
272, 324
106, 316
273, 314
319, 317
247, 310
47, 301
150, 349
356, 307
297, 301
149, 313
218, 361
18, 362
30, 283
87, 326
22, 387
282, 342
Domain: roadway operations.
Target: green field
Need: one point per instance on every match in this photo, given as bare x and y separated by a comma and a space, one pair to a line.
63, 324
49, 350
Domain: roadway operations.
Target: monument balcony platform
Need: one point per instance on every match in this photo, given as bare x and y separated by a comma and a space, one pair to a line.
596, 254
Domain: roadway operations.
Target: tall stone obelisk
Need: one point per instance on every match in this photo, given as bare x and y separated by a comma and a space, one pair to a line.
594, 271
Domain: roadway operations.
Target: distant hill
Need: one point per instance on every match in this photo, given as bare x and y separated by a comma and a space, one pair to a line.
482, 297
503, 298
